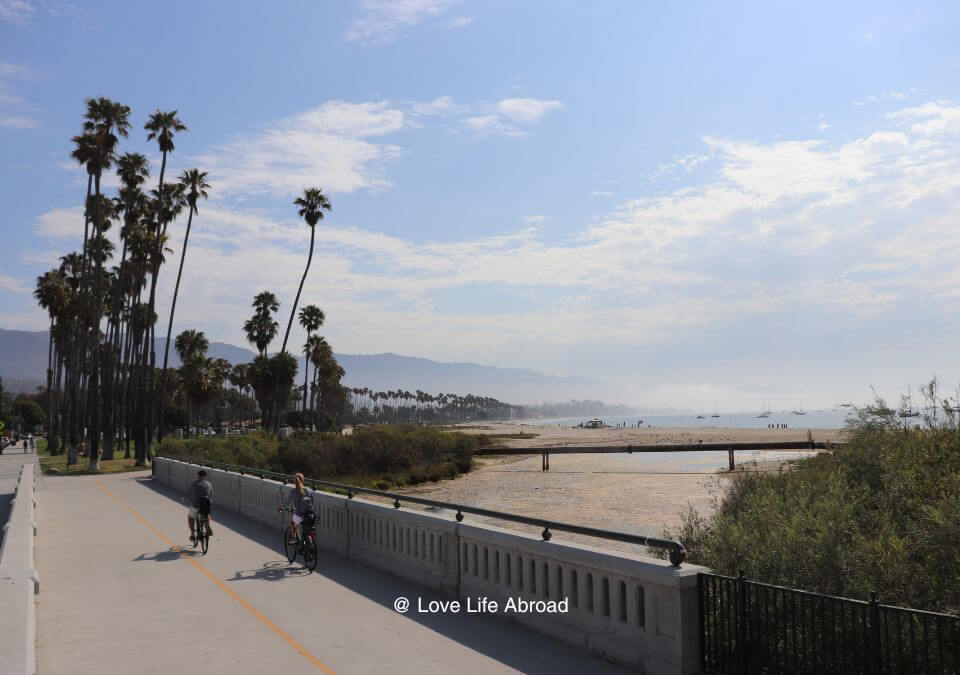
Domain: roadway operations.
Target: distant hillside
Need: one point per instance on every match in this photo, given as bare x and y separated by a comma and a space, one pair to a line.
23, 365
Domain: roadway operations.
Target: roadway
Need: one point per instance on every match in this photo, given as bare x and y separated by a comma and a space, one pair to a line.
122, 591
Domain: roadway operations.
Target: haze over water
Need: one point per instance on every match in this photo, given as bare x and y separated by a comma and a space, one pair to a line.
814, 419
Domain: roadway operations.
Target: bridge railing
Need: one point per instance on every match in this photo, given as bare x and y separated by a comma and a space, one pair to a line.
630, 608
19, 581
675, 549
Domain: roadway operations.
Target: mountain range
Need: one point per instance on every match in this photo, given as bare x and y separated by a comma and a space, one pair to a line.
23, 366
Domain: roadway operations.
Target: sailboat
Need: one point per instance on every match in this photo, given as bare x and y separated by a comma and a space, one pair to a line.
800, 410
700, 416
716, 411
764, 413
906, 406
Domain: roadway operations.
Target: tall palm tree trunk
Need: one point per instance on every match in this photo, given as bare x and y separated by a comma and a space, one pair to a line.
293, 311
296, 300
173, 309
94, 383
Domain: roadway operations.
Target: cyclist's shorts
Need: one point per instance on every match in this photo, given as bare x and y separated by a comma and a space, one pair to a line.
192, 511
297, 518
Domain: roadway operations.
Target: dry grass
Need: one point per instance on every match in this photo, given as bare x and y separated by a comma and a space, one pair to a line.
57, 465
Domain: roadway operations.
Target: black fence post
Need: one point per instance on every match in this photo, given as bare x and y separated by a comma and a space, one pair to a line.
701, 592
874, 615
741, 607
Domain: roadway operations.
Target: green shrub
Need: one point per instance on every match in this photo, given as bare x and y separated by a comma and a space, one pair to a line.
880, 512
387, 455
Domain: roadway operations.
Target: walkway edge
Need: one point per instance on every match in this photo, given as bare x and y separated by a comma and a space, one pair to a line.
19, 580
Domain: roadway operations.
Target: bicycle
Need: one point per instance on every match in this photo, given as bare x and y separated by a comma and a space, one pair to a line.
202, 532
304, 545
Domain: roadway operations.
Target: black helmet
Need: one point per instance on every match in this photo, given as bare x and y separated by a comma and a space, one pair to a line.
201, 473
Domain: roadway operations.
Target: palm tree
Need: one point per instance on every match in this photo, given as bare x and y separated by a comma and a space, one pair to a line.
191, 344
104, 117
52, 294
311, 318
312, 205
261, 328
194, 185
162, 126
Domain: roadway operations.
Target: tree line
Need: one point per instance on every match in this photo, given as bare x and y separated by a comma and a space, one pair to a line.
104, 386
405, 407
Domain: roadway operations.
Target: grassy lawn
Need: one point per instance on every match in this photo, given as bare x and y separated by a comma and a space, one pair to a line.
58, 466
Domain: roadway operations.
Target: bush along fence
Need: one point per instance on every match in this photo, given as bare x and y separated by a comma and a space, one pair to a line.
751, 627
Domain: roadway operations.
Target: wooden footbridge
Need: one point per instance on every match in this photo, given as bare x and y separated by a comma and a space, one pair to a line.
730, 448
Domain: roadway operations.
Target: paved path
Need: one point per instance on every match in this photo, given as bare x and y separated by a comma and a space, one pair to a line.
10, 462
119, 595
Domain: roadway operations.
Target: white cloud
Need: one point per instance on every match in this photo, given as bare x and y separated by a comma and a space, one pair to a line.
933, 118
501, 118
460, 21
16, 11
886, 97
61, 224
534, 219
11, 115
17, 122
11, 285
443, 105
383, 20
488, 125
526, 110
331, 145
601, 193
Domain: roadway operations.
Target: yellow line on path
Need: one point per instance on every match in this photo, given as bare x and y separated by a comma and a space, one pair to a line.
219, 583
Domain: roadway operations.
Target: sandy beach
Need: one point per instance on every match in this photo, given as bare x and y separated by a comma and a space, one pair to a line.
633, 493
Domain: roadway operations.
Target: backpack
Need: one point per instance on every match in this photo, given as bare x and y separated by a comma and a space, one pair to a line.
204, 504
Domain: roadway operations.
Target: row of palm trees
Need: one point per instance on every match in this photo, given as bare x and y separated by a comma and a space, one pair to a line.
103, 382
101, 373
400, 406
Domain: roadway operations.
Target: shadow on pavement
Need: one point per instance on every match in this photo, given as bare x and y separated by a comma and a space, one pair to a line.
506, 641
275, 570
167, 556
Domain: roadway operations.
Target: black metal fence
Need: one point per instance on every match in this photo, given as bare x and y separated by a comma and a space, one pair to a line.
750, 627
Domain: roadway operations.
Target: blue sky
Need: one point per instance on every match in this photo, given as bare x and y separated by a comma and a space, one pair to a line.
707, 201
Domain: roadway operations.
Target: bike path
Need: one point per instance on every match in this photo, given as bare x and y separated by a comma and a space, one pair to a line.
122, 591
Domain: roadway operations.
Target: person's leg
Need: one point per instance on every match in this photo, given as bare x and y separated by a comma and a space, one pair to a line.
190, 522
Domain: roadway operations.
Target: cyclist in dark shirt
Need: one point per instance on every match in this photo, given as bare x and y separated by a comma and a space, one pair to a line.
199, 492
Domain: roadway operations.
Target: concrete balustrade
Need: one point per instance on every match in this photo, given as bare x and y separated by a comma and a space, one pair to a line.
635, 610
19, 581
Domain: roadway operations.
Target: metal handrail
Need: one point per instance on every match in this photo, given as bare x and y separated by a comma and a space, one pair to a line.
677, 553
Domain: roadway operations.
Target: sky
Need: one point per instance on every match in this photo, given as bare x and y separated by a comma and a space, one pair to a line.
695, 202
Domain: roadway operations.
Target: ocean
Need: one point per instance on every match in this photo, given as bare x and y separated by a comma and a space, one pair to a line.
814, 419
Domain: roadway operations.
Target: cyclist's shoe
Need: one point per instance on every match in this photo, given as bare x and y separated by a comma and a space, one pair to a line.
193, 539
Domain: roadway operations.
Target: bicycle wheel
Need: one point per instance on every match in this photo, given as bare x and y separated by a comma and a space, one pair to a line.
310, 553
289, 544
204, 537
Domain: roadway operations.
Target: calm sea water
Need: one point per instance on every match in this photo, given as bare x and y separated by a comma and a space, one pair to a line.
814, 419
